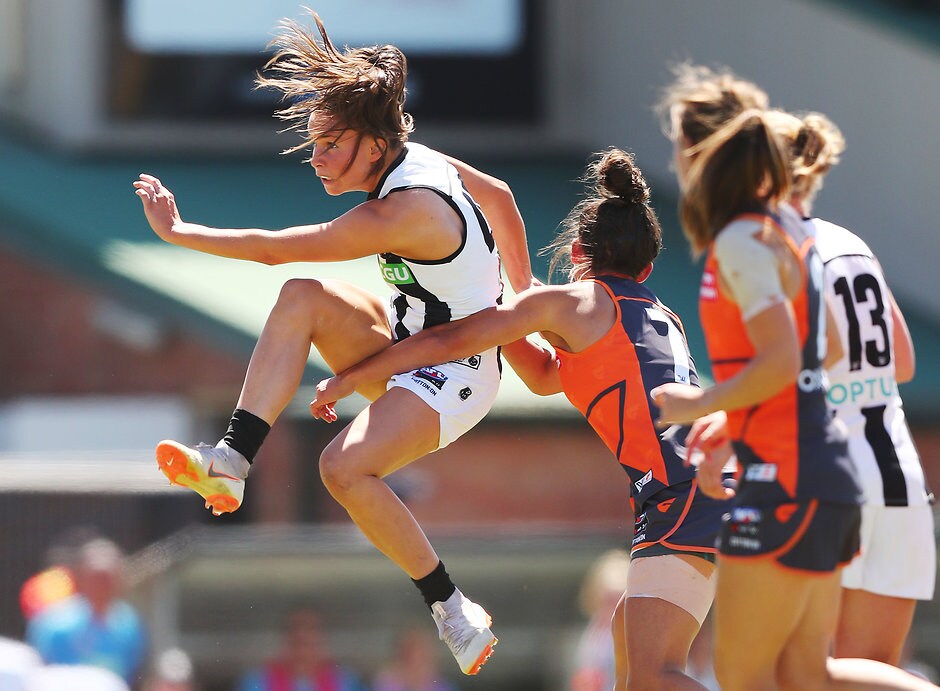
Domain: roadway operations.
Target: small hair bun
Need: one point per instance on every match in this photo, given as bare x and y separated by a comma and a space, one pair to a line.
619, 178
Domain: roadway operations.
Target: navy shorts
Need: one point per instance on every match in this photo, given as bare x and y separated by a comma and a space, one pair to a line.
808, 535
679, 520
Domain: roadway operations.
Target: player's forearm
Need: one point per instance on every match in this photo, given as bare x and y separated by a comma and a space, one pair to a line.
535, 365
250, 244
429, 347
509, 233
765, 375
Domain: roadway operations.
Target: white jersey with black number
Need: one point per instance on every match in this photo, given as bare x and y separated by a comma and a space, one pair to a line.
426, 293
863, 391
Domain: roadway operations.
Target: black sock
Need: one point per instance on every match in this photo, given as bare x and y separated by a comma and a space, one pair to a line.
246, 433
436, 586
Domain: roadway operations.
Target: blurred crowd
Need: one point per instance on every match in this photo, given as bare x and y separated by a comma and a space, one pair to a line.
83, 635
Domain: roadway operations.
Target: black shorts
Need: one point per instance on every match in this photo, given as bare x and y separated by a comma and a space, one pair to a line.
679, 520
808, 535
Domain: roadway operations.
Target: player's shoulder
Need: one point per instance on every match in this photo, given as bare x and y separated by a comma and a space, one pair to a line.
833, 240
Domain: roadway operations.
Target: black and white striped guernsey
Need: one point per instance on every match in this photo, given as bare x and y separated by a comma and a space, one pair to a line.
426, 293
863, 392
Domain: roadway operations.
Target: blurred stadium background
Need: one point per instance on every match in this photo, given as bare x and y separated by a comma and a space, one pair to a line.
112, 340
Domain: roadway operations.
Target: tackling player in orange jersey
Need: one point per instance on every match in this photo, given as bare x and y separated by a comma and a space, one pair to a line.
612, 342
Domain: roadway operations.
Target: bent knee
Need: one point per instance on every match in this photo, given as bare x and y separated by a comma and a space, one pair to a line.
300, 291
334, 470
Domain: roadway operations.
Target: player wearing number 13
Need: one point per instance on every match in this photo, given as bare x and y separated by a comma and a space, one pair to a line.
897, 563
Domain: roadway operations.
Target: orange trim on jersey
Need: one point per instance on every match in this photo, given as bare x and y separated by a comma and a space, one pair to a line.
615, 348
798, 534
664, 539
770, 428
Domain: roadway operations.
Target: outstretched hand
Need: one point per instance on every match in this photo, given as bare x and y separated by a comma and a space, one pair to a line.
709, 450
159, 205
328, 391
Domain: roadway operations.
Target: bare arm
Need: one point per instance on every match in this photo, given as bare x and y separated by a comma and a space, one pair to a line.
499, 206
904, 359
536, 310
834, 349
535, 364
775, 364
407, 223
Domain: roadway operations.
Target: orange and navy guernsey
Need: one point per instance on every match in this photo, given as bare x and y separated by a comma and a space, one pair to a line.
610, 381
787, 446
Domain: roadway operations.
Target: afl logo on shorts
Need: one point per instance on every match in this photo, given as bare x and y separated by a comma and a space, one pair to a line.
465, 393
432, 375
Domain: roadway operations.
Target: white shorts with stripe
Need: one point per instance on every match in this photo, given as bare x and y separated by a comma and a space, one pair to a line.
461, 391
898, 556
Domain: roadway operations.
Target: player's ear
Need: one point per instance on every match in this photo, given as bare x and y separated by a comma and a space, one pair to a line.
377, 148
645, 273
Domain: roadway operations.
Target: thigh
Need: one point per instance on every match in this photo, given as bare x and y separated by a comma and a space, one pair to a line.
349, 325
873, 626
390, 433
618, 626
687, 582
659, 635
803, 659
759, 606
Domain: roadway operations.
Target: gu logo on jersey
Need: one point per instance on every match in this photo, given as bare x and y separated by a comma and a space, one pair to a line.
761, 472
641, 483
432, 375
397, 274
708, 290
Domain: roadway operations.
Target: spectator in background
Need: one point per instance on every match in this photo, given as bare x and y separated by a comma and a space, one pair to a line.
304, 662
601, 590
172, 671
73, 678
55, 581
17, 662
94, 626
413, 665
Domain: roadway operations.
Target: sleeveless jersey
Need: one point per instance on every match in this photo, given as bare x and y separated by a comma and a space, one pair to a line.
609, 383
787, 446
430, 292
863, 392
